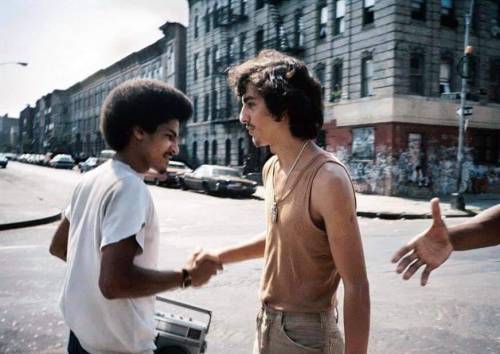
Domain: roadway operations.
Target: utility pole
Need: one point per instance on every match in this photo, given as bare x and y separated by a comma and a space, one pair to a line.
458, 201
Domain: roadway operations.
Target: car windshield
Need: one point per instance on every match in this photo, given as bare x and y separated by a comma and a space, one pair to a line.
225, 172
63, 158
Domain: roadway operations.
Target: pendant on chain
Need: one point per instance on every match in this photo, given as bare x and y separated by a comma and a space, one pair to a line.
274, 213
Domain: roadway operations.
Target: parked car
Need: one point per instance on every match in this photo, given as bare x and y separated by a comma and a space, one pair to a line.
215, 179
176, 171
170, 178
89, 164
62, 161
3, 161
10, 156
46, 158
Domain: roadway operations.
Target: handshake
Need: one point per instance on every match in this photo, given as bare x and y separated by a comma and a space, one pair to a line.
202, 266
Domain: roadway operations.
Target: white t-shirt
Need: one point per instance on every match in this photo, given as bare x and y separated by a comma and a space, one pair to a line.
109, 204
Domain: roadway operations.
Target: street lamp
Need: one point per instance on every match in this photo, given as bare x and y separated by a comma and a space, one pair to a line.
21, 63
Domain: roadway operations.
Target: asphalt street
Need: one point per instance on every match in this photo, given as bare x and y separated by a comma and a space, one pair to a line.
457, 312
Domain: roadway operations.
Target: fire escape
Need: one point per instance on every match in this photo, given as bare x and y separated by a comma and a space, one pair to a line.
279, 39
226, 18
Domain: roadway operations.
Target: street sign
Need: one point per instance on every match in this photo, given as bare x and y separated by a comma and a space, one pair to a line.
467, 111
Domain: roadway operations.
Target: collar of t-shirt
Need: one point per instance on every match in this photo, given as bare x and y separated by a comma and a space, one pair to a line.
127, 166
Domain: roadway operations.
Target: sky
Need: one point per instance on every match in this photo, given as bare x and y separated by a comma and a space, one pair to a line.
65, 41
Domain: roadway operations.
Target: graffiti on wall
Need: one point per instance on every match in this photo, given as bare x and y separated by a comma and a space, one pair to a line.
414, 172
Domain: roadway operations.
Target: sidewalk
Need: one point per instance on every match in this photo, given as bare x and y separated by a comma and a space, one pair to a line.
20, 208
384, 207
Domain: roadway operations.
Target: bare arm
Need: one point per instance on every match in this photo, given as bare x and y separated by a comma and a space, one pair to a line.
483, 230
120, 278
250, 250
433, 247
59, 244
339, 216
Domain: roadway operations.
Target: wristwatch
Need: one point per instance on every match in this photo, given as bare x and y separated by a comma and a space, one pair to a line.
186, 278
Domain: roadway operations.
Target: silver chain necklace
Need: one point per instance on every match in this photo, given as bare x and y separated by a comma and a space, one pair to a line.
274, 209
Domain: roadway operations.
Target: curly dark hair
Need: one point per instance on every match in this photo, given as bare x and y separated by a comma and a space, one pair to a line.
143, 103
286, 86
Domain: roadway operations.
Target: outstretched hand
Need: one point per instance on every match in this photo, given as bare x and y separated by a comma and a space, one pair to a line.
431, 248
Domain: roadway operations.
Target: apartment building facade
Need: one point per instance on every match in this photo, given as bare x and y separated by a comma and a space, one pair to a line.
68, 120
389, 75
163, 60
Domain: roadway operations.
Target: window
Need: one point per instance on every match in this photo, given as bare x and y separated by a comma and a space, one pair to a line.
368, 16
194, 152
259, 40
215, 105
195, 109
215, 14
363, 141
498, 15
196, 26
229, 102
231, 50
228, 152
416, 74
323, 19
281, 38
195, 67
171, 61
241, 151
486, 147
216, 64
243, 45
214, 152
206, 107
319, 72
495, 80
445, 76
418, 9
243, 7
207, 62
207, 21
339, 17
336, 89
448, 14
259, 4
299, 30
205, 151
367, 77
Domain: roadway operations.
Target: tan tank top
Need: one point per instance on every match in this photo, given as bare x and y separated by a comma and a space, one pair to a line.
299, 272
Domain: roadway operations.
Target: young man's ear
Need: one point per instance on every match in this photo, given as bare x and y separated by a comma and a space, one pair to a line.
138, 133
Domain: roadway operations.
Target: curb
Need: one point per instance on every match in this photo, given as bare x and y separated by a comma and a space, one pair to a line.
396, 216
29, 223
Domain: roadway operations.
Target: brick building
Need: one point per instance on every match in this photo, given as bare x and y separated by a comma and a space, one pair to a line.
384, 66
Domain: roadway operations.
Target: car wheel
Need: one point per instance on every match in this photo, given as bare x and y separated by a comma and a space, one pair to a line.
157, 182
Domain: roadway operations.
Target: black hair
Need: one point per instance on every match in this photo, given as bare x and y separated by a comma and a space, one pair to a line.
143, 103
286, 86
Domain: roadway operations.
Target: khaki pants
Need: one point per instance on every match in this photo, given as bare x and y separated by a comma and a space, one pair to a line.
280, 332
